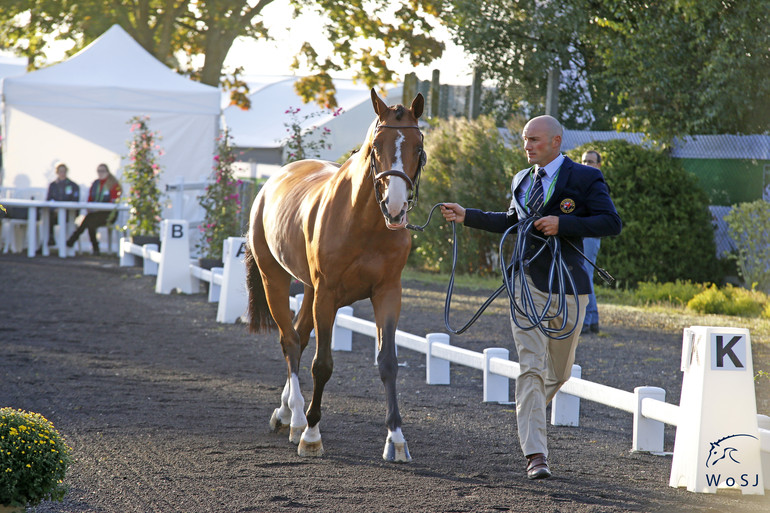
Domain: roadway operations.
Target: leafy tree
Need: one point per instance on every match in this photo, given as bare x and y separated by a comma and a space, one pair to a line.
666, 68
178, 31
517, 42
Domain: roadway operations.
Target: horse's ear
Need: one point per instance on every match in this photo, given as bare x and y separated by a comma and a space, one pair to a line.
379, 106
417, 105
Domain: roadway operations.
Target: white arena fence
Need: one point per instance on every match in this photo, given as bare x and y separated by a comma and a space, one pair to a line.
176, 271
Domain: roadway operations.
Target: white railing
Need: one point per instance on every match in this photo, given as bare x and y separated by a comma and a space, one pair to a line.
646, 404
227, 286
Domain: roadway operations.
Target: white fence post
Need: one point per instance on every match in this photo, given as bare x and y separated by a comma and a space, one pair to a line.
436, 369
717, 442
233, 299
215, 285
648, 433
565, 408
127, 259
342, 338
495, 385
149, 267
172, 271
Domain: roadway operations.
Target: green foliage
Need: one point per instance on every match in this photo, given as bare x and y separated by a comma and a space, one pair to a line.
468, 164
750, 230
730, 300
221, 202
679, 292
305, 142
667, 233
180, 33
33, 459
142, 174
653, 67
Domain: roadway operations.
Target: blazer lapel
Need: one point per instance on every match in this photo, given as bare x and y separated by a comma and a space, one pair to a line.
521, 211
561, 181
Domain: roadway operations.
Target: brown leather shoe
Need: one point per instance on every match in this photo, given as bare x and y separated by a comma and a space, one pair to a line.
537, 466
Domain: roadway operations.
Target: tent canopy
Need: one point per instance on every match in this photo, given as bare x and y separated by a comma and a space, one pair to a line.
261, 132
78, 112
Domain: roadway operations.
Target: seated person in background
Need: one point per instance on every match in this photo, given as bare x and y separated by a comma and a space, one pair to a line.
105, 189
61, 189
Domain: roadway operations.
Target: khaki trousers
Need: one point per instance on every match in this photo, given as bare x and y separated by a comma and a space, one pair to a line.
546, 364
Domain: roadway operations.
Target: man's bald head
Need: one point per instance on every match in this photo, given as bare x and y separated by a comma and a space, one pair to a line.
542, 139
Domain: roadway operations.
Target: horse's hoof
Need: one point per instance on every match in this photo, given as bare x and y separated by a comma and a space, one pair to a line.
396, 452
310, 448
276, 424
295, 433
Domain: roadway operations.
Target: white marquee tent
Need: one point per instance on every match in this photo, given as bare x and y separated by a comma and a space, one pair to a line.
78, 112
260, 135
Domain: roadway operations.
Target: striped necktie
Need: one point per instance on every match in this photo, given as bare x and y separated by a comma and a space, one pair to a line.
535, 202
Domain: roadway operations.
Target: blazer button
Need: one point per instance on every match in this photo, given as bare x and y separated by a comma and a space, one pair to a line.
569, 267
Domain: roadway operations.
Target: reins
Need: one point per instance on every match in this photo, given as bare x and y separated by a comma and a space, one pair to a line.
513, 276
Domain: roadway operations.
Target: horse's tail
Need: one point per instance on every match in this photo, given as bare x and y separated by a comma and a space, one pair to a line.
260, 319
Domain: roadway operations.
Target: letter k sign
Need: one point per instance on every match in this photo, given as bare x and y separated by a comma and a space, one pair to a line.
728, 352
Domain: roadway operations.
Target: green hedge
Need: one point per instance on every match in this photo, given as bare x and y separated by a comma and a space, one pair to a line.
468, 164
667, 233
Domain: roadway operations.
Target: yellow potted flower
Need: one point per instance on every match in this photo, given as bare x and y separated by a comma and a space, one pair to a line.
33, 460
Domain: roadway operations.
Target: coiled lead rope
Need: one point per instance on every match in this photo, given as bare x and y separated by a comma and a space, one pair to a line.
513, 274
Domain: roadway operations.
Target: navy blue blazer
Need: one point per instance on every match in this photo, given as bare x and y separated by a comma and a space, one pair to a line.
582, 201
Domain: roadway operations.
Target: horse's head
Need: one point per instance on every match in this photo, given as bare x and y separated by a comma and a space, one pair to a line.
397, 157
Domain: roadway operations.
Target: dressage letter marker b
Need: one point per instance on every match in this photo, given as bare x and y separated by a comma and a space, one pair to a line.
717, 436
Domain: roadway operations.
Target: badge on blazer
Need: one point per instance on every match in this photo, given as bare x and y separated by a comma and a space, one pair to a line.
567, 205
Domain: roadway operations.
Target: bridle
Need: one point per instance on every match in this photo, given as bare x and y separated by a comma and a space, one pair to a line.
377, 178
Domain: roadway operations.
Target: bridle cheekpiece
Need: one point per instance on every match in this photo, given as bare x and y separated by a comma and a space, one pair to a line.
414, 185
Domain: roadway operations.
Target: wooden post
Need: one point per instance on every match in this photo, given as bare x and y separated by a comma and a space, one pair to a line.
552, 94
409, 90
435, 94
443, 101
474, 109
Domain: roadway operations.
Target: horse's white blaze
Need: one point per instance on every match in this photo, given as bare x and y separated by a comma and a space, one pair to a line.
398, 192
296, 403
396, 436
312, 434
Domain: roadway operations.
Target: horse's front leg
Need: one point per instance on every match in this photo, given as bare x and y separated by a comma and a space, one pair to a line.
387, 307
323, 312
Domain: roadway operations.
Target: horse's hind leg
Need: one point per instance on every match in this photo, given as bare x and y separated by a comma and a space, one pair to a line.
276, 283
283, 415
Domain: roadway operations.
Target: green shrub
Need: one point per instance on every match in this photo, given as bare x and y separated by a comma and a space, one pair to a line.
33, 459
667, 233
750, 230
710, 301
468, 164
678, 292
730, 301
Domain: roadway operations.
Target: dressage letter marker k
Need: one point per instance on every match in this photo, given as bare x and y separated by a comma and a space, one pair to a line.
723, 350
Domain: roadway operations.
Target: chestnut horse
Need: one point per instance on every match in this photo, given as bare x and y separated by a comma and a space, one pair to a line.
341, 230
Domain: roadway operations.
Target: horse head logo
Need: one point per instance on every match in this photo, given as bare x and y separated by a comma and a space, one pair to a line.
719, 451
